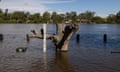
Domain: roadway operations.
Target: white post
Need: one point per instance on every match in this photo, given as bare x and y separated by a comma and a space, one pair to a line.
44, 38
44, 47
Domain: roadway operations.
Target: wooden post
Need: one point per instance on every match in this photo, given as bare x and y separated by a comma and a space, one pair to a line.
105, 38
78, 38
44, 38
1, 37
27, 38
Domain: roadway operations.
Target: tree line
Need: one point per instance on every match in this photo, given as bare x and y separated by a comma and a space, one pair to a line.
55, 18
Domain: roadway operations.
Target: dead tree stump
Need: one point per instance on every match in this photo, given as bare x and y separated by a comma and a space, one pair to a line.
62, 38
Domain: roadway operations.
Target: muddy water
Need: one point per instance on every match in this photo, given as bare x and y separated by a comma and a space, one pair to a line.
90, 55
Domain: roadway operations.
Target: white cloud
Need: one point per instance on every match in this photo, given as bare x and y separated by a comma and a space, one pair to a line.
32, 6
23, 5
55, 1
104, 15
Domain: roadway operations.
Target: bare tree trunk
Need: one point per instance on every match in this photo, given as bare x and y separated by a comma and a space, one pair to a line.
62, 37
65, 36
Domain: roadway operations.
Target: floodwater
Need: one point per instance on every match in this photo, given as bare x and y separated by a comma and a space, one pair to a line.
89, 55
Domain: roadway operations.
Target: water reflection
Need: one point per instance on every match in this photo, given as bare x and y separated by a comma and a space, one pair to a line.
45, 61
62, 62
58, 63
39, 64
90, 55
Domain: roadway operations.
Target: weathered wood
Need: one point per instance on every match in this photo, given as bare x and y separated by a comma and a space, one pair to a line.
27, 38
69, 30
62, 37
48, 36
115, 52
1, 37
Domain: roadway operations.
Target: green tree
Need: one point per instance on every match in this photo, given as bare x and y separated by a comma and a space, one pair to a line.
71, 17
61, 18
74, 17
98, 20
86, 16
5, 16
27, 15
118, 17
54, 17
57, 18
111, 18
1, 13
82, 16
19, 16
6, 11
46, 17
35, 18
89, 15
67, 16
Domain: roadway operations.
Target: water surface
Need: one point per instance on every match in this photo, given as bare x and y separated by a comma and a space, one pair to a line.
90, 55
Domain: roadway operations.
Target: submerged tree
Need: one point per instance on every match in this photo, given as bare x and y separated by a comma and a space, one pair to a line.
62, 37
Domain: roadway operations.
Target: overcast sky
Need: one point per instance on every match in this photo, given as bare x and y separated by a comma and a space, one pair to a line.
101, 7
